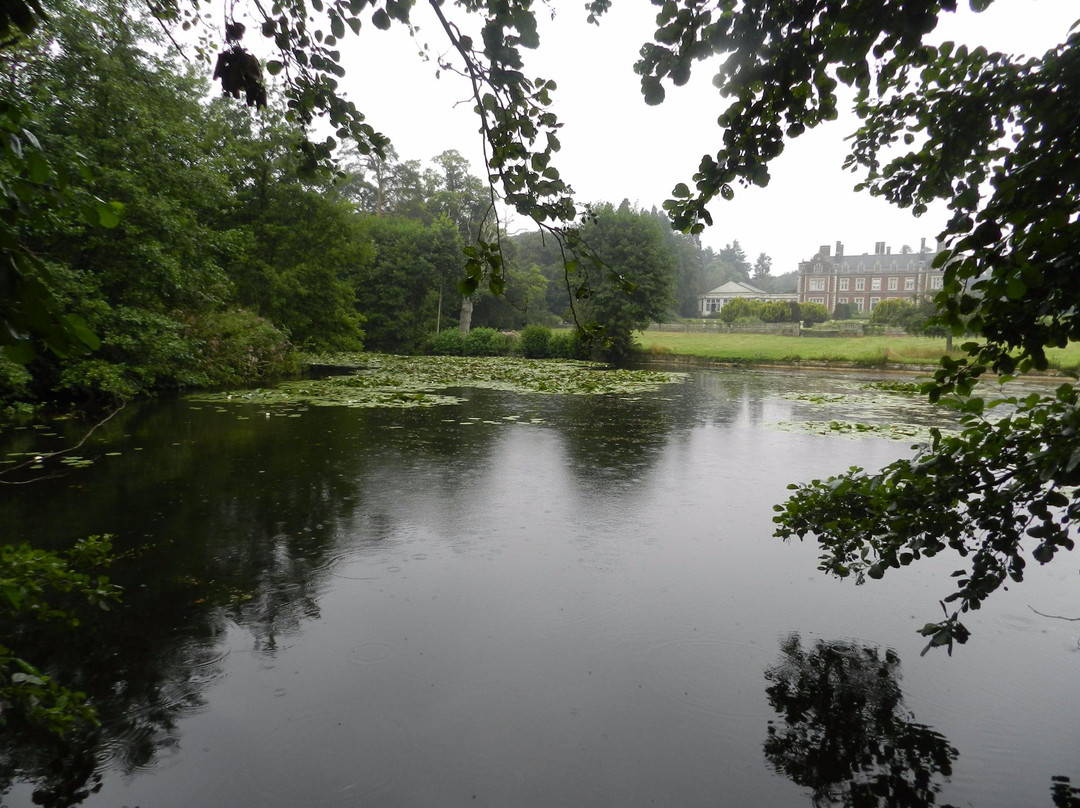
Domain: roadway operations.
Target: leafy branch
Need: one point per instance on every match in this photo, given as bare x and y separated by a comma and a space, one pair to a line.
984, 494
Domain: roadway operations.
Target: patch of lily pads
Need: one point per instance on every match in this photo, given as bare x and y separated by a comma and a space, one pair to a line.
892, 410
912, 433
382, 381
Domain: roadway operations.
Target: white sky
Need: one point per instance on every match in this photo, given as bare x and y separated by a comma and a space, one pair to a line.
615, 147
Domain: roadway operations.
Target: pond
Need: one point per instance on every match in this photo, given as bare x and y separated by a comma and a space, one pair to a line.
517, 599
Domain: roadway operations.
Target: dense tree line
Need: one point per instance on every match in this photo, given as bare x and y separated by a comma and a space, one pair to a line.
229, 251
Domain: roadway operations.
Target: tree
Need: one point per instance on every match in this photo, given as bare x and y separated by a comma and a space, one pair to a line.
398, 290
762, 267
991, 134
636, 285
735, 257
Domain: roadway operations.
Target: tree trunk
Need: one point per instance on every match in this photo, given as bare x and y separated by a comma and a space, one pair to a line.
438, 315
465, 323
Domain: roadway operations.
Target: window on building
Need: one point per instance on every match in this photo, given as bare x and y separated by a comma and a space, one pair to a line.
894, 284
817, 284
860, 284
909, 284
817, 300
859, 303
935, 283
842, 300
875, 284
873, 302
844, 284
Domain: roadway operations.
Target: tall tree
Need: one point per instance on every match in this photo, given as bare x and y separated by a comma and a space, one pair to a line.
762, 267
635, 287
735, 257
398, 291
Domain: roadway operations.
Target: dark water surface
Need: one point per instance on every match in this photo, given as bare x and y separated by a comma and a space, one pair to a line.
522, 600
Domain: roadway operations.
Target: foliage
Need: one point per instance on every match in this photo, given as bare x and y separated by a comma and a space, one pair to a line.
567, 344
780, 311
842, 311
987, 132
32, 189
985, 493
924, 318
448, 342
813, 312
398, 290
42, 587
485, 342
534, 341
740, 307
637, 282
238, 347
891, 311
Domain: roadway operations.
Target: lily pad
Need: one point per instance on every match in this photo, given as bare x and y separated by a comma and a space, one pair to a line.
406, 382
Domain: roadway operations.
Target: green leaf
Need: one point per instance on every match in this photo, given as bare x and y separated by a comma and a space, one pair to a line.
381, 20
108, 213
652, 90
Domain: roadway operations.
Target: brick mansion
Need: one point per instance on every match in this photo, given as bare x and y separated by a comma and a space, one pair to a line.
865, 280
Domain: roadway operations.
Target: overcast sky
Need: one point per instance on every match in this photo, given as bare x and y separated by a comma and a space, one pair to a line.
616, 147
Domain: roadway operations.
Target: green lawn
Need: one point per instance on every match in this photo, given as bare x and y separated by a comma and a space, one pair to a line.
773, 348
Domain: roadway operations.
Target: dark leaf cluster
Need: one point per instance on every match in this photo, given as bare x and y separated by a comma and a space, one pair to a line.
1001, 492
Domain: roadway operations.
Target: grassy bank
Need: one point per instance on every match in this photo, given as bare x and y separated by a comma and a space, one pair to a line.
767, 348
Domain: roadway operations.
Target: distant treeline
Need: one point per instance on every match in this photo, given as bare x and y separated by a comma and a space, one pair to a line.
232, 253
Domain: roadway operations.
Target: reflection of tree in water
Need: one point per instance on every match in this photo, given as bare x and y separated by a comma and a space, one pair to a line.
141, 678
845, 734
237, 522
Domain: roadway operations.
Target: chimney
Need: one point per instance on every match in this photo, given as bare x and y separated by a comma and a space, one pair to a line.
823, 251
839, 249
888, 250
922, 245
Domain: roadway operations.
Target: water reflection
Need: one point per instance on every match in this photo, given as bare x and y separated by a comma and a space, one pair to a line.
843, 731
415, 604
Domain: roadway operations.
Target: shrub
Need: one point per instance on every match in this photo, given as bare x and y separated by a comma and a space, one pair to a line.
741, 307
813, 313
891, 311
567, 344
779, 311
14, 380
240, 347
481, 342
534, 341
447, 343
842, 311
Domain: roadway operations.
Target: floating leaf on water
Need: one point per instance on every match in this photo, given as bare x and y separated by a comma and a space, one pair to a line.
113, 454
